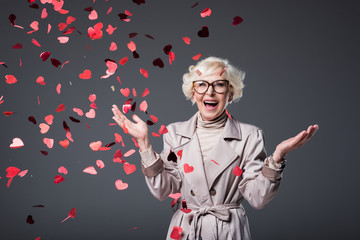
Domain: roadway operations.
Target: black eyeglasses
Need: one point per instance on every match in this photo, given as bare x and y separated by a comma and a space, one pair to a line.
219, 86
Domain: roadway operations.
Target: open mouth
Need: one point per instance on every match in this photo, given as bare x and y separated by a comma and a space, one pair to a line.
210, 104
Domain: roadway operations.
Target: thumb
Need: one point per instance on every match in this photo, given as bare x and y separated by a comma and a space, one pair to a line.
136, 118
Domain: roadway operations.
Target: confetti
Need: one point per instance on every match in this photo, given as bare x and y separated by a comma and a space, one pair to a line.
63, 39
90, 170
167, 49
171, 57
92, 97
95, 146
93, 15
134, 92
91, 113
100, 164
40, 80
186, 40
113, 46
7, 113
132, 46
17, 46
45, 55
62, 170
204, 32
125, 92
78, 111
120, 185
158, 62
36, 43
110, 29
86, 74
196, 57
129, 168
176, 233
58, 179
129, 153
16, 143
143, 106
95, 32
65, 143
11, 173
237, 20
205, 13
154, 134
60, 108
30, 220
23, 173
163, 129
10, 79
49, 142
188, 168
153, 118
179, 153
55, 62
215, 162
145, 93
58, 88
123, 60
237, 171
227, 113
172, 157
138, 2
144, 72
71, 214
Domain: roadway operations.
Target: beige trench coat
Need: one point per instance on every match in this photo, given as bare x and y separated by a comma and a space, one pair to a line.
211, 190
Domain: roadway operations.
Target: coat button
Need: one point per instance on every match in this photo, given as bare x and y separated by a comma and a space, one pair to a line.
192, 193
212, 192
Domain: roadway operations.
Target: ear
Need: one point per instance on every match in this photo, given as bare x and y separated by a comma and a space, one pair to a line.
230, 97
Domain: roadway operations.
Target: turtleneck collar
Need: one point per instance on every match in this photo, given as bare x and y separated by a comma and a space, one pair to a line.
216, 123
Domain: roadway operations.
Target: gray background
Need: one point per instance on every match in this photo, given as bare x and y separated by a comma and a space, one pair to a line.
301, 59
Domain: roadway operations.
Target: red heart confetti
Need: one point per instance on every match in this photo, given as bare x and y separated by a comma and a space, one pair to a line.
163, 129
237, 171
62, 170
40, 80
196, 57
30, 220
179, 153
58, 179
176, 233
10, 79
17, 46
144, 72
11, 173
123, 60
129, 168
65, 143
45, 55
86, 74
188, 168
125, 92
186, 40
71, 214
215, 162
237, 20
60, 108
204, 32
146, 92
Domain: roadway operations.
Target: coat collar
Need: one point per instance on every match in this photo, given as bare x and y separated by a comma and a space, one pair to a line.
231, 130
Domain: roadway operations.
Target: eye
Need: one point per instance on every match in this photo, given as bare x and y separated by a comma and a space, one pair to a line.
220, 84
202, 84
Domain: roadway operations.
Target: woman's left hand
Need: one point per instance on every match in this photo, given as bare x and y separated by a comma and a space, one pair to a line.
293, 143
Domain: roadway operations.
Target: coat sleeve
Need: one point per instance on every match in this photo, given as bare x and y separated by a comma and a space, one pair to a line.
162, 176
260, 183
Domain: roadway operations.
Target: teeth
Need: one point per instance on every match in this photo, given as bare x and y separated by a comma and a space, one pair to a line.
210, 101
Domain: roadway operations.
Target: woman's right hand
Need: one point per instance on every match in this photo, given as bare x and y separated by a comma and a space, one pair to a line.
138, 130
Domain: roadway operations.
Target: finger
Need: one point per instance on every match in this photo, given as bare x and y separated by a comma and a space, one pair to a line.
136, 118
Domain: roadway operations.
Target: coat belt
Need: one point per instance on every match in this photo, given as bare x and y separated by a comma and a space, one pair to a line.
222, 212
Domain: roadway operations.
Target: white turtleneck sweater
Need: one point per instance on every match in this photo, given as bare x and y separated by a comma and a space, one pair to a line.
209, 133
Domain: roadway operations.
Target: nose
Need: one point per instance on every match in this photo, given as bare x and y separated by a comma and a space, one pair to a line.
210, 91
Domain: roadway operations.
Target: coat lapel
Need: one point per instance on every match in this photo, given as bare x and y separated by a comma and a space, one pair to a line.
222, 155
191, 158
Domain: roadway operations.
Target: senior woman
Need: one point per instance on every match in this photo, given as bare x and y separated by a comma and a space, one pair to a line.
212, 159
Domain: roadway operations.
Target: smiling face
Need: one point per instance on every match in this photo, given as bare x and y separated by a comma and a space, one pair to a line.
212, 104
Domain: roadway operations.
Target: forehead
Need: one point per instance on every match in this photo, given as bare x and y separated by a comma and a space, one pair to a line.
213, 76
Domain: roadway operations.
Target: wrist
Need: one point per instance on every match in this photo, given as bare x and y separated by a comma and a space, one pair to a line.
143, 144
278, 156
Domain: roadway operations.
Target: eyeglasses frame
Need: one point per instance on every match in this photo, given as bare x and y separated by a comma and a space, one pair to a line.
209, 84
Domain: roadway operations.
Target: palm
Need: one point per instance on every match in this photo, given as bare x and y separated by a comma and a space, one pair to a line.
295, 142
138, 129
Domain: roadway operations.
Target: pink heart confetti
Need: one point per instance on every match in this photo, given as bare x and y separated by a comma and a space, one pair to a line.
40, 80
205, 13
78, 111
44, 13
100, 164
175, 195
153, 118
91, 113
95, 146
62, 170
63, 39
129, 168
125, 92
16, 143
95, 32
144, 72
143, 106
23, 173
120, 185
49, 142
58, 88
70, 20
92, 97
113, 46
129, 153
93, 15
131, 45
36, 43
110, 29
90, 170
